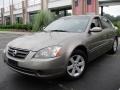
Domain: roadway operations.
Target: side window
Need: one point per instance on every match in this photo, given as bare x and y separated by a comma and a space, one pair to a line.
95, 23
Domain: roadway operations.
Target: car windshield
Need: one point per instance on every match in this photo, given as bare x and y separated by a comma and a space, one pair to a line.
69, 24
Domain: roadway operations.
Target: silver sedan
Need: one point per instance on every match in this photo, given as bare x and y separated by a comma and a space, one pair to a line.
64, 47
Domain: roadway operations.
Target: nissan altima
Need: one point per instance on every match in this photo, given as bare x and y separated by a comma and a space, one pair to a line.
64, 47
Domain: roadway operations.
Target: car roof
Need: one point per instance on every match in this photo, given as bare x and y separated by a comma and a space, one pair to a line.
78, 16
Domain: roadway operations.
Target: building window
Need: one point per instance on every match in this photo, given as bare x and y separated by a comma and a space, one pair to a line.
76, 3
89, 2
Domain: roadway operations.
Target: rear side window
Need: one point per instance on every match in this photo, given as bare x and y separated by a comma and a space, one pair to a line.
106, 23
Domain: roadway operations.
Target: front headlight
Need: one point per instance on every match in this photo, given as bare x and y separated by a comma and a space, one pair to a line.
49, 52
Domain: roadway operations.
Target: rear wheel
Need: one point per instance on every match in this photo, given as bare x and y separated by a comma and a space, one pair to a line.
114, 47
76, 65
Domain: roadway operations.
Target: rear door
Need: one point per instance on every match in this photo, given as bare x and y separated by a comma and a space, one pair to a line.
109, 29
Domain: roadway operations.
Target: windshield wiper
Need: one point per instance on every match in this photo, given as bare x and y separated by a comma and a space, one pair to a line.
58, 31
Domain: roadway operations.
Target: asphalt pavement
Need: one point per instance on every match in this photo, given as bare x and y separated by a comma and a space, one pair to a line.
101, 74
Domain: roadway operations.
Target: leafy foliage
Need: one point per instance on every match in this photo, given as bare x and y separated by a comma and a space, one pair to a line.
42, 19
115, 20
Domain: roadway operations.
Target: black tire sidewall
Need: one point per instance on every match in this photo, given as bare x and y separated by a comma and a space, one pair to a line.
112, 49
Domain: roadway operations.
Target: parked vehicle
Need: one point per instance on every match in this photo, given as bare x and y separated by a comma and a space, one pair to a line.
64, 47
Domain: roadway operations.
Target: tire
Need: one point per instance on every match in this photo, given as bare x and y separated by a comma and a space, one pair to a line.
76, 65
114, 47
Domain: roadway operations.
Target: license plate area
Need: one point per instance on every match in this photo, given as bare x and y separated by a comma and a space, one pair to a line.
12, 62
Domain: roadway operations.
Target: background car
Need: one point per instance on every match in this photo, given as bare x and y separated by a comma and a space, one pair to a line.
64, 47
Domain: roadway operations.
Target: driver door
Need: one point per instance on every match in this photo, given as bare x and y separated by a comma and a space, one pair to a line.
97, 40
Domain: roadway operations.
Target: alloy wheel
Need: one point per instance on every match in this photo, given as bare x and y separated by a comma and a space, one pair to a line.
76, 65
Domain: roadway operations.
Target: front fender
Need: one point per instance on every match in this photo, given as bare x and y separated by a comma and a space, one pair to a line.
70, 47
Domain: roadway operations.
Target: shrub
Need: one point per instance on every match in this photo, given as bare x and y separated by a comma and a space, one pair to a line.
42, 19
117, 24
26, 27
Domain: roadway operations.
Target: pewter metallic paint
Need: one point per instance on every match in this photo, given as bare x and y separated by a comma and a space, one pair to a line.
96, 44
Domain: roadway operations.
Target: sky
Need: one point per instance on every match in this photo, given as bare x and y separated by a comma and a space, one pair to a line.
112, 10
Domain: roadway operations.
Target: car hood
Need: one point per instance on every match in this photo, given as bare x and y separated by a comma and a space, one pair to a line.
40, 40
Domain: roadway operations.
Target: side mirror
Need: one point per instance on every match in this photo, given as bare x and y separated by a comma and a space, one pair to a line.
96, 29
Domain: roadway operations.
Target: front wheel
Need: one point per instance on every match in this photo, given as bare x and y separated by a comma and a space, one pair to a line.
76, 65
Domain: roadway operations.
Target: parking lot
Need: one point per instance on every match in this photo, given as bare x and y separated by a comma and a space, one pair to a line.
101, 74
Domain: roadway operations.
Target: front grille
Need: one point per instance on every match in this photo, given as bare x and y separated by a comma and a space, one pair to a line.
18, 53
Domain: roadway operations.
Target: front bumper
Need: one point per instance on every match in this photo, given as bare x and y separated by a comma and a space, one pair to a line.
36, 67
